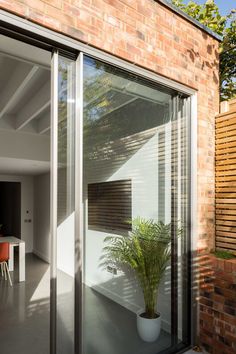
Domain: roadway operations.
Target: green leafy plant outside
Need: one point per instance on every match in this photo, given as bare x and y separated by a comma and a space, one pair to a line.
209, 15
224, 254
147, 252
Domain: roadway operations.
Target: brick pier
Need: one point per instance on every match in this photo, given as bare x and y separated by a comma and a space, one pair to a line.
218, 305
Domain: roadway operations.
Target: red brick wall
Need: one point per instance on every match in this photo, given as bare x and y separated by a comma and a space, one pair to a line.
218, 305
152, 36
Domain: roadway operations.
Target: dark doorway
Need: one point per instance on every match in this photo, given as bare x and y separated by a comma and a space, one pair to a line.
10, 208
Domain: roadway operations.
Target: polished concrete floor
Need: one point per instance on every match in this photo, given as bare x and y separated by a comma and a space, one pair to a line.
24, 315
111, 329
24, 318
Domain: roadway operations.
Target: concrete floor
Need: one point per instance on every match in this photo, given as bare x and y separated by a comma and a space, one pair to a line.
24, 318
115, 329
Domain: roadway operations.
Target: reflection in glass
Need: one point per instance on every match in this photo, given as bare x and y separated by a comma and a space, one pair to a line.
137, 132
65, 210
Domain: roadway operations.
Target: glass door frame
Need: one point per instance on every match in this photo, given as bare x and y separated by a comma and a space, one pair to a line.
18, 28
79, 204
53, 201
78, 200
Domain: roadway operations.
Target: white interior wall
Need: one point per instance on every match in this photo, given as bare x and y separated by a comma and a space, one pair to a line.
66, 245
21, 145
65, 231
66, 222
142, 169
41, 239
27, 204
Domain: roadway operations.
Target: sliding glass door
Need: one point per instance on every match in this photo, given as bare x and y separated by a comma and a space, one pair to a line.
136, 211
120, 212
63, 205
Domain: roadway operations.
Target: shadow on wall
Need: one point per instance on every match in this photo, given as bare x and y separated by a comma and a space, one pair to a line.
202, 63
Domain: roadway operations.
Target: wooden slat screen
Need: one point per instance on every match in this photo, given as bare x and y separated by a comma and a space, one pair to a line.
110, 206
226, 179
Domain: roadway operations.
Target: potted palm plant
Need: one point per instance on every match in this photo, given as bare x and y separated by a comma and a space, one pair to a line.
146, 251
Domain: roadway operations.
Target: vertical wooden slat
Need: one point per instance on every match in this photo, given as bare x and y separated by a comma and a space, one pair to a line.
226, 178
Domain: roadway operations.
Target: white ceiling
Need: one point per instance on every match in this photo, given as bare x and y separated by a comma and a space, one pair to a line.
24, 95
24, 102
20, 167
24, 52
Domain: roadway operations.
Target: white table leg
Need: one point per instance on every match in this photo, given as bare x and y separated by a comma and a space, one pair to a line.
22, 261
11, 258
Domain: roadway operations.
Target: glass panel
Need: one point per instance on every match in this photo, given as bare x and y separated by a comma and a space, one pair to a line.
180, 218
183, 215
65, 212
135, 173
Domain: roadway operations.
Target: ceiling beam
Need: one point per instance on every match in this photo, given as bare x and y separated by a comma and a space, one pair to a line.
44, 124
16, 84
39, 102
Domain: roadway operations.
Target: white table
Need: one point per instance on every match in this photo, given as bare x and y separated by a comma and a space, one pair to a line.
16, 242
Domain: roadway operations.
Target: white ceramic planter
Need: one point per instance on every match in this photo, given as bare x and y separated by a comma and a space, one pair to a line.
148, 329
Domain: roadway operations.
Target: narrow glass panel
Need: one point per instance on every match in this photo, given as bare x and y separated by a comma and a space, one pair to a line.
65, 210
135, 195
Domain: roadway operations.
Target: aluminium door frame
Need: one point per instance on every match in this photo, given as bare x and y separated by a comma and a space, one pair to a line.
79, 247
53, 201
26, 31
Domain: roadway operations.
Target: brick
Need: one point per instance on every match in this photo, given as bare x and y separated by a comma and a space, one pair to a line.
55, 3
230, 329
228, 267
230, 310
206, 302
218, 298
233, 266
219, 325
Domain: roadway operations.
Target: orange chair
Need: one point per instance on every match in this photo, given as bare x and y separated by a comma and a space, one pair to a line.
4, 257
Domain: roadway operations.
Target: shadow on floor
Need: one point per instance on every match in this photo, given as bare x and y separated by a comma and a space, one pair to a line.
24, 322
24, 318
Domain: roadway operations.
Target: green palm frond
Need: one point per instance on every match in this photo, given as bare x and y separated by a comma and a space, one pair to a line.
146, 251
